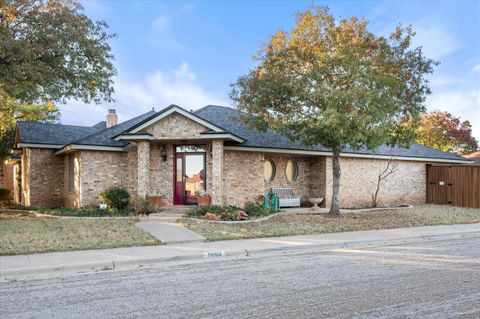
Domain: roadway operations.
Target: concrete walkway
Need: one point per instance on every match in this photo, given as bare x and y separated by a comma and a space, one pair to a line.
163, 226
54, 264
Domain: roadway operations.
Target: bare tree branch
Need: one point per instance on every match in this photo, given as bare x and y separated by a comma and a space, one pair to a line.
390, 169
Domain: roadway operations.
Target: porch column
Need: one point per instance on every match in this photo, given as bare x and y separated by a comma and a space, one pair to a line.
217, 172
143, 162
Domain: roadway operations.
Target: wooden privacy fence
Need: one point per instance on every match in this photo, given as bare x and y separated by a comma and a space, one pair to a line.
454, 185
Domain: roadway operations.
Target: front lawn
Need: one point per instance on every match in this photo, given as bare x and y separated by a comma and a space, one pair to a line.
23, 233
305, 224
87, 212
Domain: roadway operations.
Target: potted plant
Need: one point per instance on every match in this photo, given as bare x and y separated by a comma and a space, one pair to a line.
203, 198
154, 200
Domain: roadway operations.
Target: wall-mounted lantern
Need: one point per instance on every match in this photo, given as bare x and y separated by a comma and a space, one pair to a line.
163, 153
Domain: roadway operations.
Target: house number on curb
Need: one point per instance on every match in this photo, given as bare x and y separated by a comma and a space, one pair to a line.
209, 254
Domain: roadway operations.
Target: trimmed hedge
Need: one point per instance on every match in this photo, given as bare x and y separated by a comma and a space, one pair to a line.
116, 197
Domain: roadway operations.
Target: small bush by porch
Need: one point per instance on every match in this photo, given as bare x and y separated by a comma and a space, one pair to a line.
307, 224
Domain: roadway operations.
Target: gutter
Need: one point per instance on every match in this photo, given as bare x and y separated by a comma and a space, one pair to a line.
351, 155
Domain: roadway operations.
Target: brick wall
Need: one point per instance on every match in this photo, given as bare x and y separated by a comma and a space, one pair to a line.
143, 162
359, 177
217, 172
99, 170
42, 182
71, 196
161, 173
243, 177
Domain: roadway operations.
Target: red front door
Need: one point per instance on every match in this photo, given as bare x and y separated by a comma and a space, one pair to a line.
178, 177
189, 174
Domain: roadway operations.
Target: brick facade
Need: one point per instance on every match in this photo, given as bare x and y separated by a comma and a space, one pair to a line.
176, 126
233, 177
217, 172
143, 165
99, 170
359, 178
42, 182
161, 173
243, 177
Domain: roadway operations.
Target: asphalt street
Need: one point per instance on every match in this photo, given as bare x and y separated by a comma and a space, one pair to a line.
438, 279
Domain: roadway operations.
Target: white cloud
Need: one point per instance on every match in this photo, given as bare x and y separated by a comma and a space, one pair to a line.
464, 103
437, 42
158, 89
476, 68
161, 22
183, 72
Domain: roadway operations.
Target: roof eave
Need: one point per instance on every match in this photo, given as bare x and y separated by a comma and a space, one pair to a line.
345, 154
167, 111
79, 147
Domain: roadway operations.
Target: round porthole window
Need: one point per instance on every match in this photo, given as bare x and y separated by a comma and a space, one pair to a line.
269, 170
291, 171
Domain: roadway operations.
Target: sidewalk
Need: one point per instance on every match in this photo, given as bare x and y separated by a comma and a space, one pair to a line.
163, 226
21, 266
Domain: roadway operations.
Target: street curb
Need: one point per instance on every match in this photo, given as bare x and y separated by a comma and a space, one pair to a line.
51, 270
109, 263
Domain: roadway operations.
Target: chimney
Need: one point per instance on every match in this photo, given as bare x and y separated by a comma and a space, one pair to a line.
112, 118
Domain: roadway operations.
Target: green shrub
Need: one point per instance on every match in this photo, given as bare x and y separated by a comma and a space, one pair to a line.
231, 212
4, 194
255, 210
224, 212
140, 206
91, 211
116, 197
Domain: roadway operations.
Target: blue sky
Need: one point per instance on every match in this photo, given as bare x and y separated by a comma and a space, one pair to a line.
188, 53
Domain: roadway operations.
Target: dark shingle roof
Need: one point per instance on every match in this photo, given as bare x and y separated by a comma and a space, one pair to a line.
105, 137
45, 133
228, 119
223, 117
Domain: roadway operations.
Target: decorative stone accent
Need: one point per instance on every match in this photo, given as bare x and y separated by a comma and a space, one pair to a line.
143, 162
217, 172
359, 177
176, 126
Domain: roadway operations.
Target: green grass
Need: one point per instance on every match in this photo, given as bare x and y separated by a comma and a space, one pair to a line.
305, 224
22, 233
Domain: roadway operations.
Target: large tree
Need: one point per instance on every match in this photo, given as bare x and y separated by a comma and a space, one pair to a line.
333, 82
443, 131
50, 51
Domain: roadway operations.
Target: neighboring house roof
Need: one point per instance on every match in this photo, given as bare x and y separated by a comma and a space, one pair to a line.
220, 121
475, 157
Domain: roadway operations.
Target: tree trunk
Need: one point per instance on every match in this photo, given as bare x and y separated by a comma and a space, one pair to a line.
335, 204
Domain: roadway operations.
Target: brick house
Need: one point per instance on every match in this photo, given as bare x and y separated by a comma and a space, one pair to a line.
174, 153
